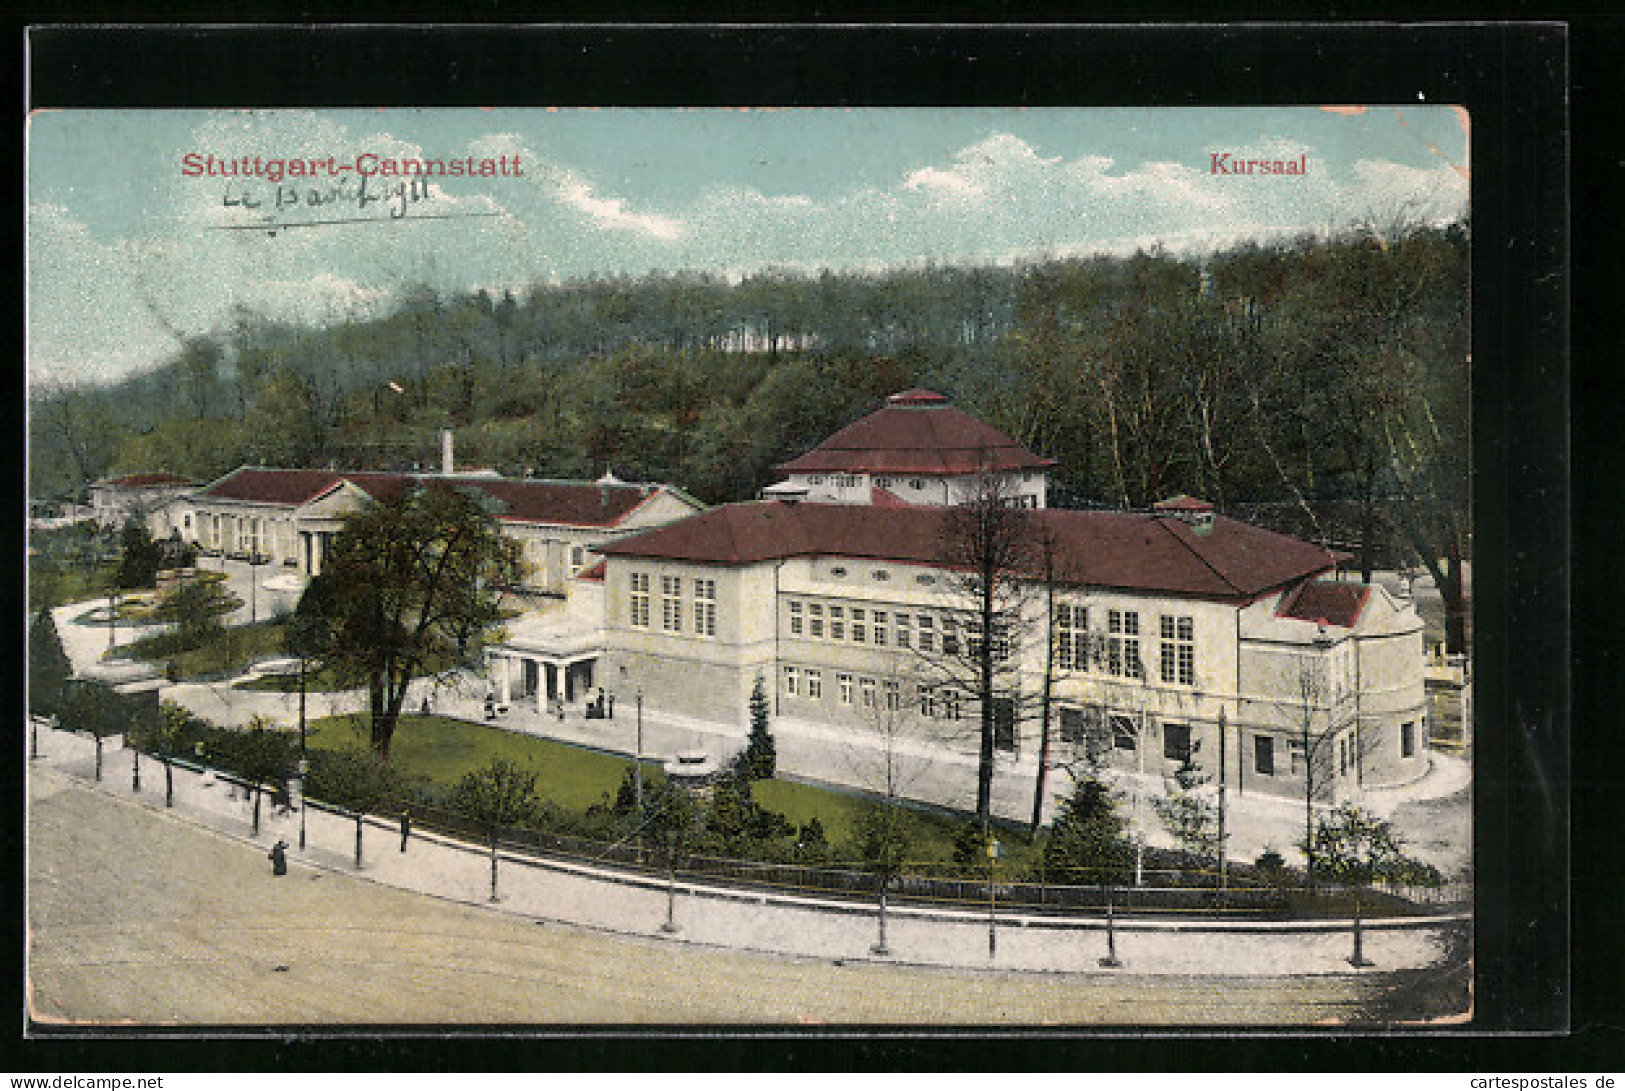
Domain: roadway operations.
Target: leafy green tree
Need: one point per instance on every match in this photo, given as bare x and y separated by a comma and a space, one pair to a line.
1086, 842
499, 795
759, 758
195, 608
94, 708
1355, 847
139, 556
263, 753
413, 583
360, 782
48, 665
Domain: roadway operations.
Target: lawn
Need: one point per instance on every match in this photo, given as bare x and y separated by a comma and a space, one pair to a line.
442, 750
226, 652
316, 681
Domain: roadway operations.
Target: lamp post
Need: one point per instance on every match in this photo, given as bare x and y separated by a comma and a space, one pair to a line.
637, 760
304, 763
993, 850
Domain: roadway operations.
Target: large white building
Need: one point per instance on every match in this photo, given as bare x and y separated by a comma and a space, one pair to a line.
1174, 635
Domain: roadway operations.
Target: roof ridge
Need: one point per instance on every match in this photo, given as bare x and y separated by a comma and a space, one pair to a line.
1194, 552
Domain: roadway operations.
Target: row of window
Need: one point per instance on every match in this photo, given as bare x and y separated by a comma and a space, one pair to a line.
702, 609
1117, 651
844, 622
1076, 724
934, 702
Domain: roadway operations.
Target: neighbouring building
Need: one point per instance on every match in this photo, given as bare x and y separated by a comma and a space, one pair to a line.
288, 517
918, 449
149, 497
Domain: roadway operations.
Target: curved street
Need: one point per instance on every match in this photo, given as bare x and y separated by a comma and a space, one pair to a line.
138, 914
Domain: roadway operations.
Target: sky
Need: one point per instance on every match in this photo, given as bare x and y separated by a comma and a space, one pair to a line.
129, 250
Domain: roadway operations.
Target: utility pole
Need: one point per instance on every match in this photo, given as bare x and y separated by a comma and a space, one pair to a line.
1224, 854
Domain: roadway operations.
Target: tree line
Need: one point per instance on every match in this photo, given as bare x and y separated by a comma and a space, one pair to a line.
1319, 385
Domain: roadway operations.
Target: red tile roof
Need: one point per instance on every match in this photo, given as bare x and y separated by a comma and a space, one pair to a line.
1329, 603
1231, 561
916, 432
147, 481
885, 498
570, 503
595, 572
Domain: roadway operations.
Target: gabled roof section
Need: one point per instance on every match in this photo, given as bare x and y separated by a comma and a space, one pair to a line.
257, 485
1326, 602
917, 432
1232, 561
594, 573
569, 503
572, 503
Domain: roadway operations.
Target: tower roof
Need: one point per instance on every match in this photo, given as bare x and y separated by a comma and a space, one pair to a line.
917, 432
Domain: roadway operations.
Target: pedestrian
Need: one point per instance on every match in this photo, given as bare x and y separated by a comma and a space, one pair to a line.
611, 706
279, 858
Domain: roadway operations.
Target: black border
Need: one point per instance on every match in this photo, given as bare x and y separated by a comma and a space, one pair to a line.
1513, 80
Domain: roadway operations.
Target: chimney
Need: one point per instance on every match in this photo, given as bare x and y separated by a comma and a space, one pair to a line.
447, 465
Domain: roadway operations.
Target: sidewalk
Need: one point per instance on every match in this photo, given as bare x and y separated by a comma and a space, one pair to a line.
797, 927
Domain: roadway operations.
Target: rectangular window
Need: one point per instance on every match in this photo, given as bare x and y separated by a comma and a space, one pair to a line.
905, 632
860, 629
928, 702
1300, 759
844, 683
837, 623
1124, 735
815, 621
894, 696
796, 620
950, 704
1178, 651
1072, 637
928, 633
705, 607
671, 603
1004, 723
1176, 741
578, 559
1264, 755
792, 681
1123, 644
638, 614
950, 636
1407, 739
1343, 756
880, 628
867, 686
1074, 726
815, 685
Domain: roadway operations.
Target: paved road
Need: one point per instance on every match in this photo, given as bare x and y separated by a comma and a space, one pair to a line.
139, 915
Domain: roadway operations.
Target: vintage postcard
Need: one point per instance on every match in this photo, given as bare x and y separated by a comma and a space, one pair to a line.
650, 567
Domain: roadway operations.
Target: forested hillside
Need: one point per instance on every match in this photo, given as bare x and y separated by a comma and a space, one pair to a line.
1320, 384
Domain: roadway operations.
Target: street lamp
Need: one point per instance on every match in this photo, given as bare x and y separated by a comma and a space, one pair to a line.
637, 759
993, 852
304, 763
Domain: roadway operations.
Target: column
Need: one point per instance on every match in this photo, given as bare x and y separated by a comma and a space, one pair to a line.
544, 685
503, 667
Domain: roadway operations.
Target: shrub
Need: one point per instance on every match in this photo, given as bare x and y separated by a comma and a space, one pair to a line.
498, 795
1355, 847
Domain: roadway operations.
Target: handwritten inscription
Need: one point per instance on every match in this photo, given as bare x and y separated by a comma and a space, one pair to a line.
395, 198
